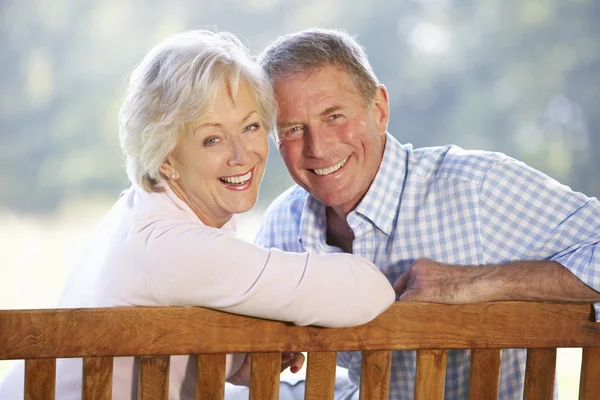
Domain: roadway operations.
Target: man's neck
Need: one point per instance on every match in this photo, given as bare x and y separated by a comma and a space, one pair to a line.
339, 233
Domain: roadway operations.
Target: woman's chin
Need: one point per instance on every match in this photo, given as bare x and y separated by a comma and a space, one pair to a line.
242, 207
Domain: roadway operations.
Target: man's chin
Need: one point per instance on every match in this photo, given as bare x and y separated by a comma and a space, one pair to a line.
335, 200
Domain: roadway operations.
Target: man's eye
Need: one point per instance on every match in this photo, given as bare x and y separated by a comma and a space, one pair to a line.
211, 141
252, 127
294, 133
335, 116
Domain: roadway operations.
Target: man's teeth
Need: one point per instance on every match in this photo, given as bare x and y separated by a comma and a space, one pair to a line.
240, 180
327, 171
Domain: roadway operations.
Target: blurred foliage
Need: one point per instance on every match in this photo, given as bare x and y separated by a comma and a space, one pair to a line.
520, 77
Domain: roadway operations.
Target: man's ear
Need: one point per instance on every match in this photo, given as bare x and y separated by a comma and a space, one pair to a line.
381, 109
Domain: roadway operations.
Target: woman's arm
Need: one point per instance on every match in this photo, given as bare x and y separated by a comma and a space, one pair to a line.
194, 265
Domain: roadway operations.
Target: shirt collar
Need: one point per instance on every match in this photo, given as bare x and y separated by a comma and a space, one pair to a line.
382, 201
380, 204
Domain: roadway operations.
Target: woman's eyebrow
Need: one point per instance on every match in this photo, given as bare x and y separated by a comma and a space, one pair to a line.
217, 124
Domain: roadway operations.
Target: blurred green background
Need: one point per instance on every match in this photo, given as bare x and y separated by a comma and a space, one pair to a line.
520, 77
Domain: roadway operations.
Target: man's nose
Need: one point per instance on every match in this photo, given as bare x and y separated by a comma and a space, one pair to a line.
317, 143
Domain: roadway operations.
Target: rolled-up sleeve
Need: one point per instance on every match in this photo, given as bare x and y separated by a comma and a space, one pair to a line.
194, 265
527, 214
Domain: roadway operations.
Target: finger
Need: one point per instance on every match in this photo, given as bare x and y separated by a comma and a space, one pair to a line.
295, 362
287, 359
298, 363
409, 295
402, 282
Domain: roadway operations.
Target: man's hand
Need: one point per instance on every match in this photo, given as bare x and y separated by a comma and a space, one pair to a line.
434, 282
294, 361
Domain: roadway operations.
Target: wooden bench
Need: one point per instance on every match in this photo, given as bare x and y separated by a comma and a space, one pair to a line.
97, 335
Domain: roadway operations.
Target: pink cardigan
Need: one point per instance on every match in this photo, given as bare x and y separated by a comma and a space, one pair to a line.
152, 250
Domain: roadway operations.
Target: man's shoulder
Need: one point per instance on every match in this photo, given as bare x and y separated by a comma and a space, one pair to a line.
284, 213
291, 201
454, 162
281, 221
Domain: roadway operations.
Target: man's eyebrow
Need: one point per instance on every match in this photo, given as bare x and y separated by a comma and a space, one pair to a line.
287, 124
322, 114
330, 110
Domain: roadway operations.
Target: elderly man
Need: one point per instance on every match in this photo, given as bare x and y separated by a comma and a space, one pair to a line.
444, 224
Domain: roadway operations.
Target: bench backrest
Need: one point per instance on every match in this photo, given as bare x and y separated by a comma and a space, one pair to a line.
152, 334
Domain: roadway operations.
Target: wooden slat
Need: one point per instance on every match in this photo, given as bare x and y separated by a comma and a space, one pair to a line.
153, 378
589, 387
431, 374
210, 377
539, 374
265, 369
40, 379
375, 375
177, 330
485, 374
97, 378
320, 375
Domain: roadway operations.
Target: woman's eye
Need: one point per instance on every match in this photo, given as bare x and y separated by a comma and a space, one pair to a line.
211, 141
252, 128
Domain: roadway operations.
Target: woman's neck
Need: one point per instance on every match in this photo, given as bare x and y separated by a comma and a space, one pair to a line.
203, 216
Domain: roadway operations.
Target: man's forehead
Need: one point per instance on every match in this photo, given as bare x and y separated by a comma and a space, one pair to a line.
316, 78
312, 96
291, 112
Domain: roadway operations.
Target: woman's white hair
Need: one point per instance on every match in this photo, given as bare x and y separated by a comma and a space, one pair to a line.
175, 84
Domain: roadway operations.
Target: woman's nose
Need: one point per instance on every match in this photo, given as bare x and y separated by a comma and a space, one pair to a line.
239, 154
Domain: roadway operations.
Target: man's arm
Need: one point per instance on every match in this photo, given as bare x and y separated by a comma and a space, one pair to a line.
434, 282
523, 215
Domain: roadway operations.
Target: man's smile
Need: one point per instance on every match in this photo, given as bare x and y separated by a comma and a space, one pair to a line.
332, 169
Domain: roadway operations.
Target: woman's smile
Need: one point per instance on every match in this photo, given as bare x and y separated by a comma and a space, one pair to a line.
238, 182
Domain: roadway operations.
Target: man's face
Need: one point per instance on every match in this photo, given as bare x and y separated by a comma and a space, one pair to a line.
330, 140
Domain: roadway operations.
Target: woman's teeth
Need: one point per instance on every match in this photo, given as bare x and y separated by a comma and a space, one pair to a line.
238, 180
330, 170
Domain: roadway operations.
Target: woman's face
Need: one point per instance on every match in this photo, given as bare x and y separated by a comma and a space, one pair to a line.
220, 159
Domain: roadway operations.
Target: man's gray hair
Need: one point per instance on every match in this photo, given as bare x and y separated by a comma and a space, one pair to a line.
175, 84
308, 51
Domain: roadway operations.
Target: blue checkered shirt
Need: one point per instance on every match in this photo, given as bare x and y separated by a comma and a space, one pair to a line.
457, 207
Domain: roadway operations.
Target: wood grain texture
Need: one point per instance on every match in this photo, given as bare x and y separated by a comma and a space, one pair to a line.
431, 375
179, 330
320, 375
375, 375
589, 387
485, 374
539, 374
210, 377
40, 379
153, 378
265, 369
97, 378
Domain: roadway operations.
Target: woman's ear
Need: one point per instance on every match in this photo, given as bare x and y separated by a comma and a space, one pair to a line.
166, 168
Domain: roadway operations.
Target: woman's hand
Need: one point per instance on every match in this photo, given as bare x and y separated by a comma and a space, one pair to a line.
294, 361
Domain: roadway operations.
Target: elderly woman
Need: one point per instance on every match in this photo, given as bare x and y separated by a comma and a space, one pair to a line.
193, 128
